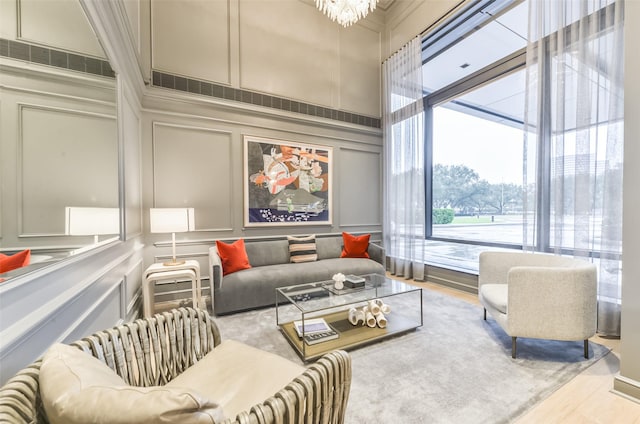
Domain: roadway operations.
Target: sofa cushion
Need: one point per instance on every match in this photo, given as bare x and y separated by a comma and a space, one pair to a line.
270, 252
302, 249
355, 246
329, 247
77, 388
495, 296
238, 376
255, 287
233, 256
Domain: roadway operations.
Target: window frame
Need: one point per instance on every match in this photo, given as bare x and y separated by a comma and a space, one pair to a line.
492, 72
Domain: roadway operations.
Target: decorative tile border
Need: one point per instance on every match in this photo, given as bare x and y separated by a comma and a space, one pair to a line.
58, 58
175, 82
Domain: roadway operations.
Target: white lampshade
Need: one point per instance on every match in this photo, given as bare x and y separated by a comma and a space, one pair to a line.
172, 220
81, 221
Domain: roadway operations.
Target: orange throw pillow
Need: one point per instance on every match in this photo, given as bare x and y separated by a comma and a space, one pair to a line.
355, 246
20, 259
234, 256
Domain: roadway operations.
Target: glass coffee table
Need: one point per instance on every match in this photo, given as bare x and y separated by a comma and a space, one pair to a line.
304, 302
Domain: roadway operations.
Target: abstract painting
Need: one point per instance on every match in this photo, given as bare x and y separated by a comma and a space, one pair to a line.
286, 183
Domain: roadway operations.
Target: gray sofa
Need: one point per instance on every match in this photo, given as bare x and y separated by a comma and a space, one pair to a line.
271, 268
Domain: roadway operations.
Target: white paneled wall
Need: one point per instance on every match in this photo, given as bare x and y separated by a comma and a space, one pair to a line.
628, 381
57, 23
193, 145
192, 167
132, 147
361, 194
196, 159
191, 38
59, 148
68, 157
64, 139
285, 48
360, 78
290, 50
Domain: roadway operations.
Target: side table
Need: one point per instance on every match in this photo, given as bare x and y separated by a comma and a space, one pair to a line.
156, 272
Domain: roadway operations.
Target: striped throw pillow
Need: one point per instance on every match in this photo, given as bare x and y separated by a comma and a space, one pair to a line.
302, 249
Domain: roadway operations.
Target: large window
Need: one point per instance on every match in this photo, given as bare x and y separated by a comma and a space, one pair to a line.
474, 86
477, 165
474, 100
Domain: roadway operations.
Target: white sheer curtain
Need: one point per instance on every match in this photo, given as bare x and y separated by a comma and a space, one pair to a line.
403, 125
574, 139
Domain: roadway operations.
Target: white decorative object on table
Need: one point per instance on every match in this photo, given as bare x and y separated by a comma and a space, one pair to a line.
356, 316
338, 281
372, 314
374, 307
384, 308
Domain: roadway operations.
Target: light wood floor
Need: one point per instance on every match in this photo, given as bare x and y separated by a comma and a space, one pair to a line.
587, 399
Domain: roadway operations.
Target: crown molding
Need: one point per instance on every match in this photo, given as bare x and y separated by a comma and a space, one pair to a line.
109, 22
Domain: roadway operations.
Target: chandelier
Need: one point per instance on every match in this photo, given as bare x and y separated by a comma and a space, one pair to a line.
346, 12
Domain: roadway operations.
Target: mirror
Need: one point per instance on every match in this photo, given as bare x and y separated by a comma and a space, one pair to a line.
58, 135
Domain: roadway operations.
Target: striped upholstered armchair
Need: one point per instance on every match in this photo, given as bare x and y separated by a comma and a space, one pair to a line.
183, 348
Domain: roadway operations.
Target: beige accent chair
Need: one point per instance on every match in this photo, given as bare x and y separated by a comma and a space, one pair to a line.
540, 296
181, 346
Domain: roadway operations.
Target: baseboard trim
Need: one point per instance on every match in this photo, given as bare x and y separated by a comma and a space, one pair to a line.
450, 278
627, 388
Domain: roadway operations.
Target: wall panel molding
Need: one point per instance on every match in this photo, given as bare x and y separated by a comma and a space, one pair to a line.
44, 83
104, 302
131, 134
307, 69
223, 112
360, 169
68, 300
192, 168
362, 73
132, 288
37, 120
192, 38
62, 24
205, 88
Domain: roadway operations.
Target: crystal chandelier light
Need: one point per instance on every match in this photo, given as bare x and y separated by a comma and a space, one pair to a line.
346, 12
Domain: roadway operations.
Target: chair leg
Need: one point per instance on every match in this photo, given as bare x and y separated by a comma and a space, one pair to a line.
513, 347
485, 314
586, 348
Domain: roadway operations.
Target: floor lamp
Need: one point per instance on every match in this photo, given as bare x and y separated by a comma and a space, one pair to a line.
172, 220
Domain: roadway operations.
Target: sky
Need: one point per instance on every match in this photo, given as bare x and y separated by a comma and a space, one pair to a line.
493, 150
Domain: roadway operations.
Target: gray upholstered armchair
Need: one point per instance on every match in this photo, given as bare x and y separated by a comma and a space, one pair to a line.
541, 296
177, 352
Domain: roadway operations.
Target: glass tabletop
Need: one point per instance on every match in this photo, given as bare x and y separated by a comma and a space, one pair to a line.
321, 295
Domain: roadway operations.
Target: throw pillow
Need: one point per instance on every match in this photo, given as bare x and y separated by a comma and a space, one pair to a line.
233, 256
77, 388
20, 259
302, 249
355, 246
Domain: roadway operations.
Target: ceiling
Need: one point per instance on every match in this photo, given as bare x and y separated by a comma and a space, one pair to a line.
385, 4
478, 49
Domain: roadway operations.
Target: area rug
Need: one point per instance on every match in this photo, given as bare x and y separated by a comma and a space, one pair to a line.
457, 368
